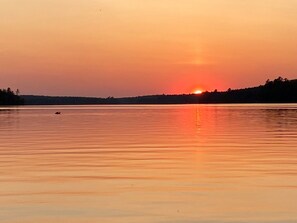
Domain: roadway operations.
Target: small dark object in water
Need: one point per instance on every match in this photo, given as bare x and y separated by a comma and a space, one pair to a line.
58, 113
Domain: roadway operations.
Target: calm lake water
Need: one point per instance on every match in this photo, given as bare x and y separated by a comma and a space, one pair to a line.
149, 164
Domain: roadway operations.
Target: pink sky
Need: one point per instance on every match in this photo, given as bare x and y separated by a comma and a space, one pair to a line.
134, 47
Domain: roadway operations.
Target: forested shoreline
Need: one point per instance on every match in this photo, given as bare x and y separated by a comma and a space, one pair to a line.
9, 97
280, 90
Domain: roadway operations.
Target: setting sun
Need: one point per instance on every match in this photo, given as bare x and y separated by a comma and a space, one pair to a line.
198, 92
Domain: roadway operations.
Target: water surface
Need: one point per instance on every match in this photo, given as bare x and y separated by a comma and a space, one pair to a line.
143, 164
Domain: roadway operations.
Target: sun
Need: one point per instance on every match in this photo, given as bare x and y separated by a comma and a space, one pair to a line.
198, 92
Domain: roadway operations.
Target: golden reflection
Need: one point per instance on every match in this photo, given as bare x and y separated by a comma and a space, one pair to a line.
149, 164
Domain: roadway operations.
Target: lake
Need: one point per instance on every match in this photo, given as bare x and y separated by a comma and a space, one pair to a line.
149, 164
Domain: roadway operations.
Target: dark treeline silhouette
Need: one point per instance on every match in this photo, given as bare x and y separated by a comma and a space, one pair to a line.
280, 90
53, 100
9, 97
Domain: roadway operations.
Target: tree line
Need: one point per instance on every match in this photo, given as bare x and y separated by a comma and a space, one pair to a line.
280, 90
9, 97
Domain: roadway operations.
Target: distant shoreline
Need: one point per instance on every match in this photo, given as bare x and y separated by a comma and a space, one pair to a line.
279, 90
252, 103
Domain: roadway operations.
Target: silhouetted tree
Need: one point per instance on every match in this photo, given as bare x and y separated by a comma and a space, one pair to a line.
8, 97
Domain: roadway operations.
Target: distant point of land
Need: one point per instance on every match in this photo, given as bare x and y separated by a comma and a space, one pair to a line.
280, 90
9, 97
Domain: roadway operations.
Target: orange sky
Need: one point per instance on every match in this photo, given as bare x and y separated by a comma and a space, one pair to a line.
137, 47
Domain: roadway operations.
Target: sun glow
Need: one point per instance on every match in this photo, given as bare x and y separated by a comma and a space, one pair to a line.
198, 92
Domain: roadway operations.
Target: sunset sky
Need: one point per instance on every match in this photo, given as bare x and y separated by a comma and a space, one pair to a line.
137, 47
